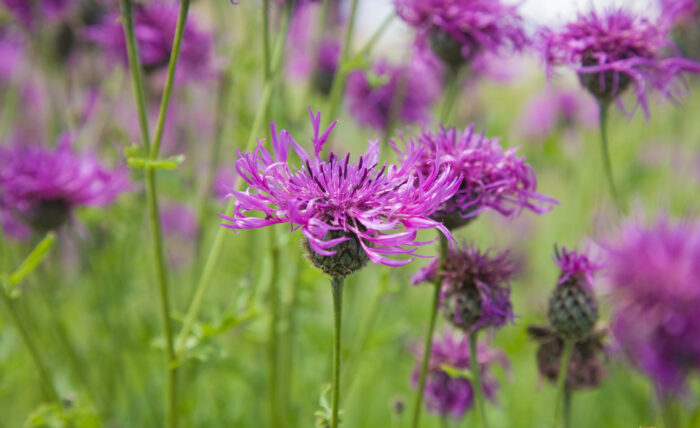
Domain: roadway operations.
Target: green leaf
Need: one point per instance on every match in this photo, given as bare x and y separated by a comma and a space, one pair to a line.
456, 372
30, 263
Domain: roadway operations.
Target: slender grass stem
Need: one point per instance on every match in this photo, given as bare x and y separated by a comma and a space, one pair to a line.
477, 386
561, 379
568, 396
341, 75
604, 108
266, 38
417, 407
337, 288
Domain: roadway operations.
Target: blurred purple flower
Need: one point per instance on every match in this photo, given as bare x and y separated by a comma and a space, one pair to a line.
372, 94
42, 187
30, 13
655, 279
362, 202
616, 49
679, 11
475, 287
458, 30
553, 109
491, 178
575, 265
12, 54
154, 27
453, 396
179, 224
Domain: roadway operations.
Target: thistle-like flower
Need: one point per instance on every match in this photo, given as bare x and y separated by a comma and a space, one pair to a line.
655, 279
446, 393
458, 30
475, 287
41, 187
406, 92
348, 212
615, 50
490, 177
573, 309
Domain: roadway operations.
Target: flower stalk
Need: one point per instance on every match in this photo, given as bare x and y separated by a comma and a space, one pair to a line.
476, 381
561, 380
337, 289
604, 107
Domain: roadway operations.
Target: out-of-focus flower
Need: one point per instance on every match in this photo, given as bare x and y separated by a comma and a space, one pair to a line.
573, 309
154, 28
555, 109
179, 224
407, 92
585, 367
490, 177
614, 50
475, 287
655, 280
453, 396
12, 55
677, 11
458, 30
30, 13
41, 187
683, 17
345, 210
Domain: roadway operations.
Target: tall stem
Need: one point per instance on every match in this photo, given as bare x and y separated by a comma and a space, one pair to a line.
273, 337
561, 379
266, 38
568, 395
337, 288
477, 386
429, 337
604, 107
26, 338
341, 75
451, 92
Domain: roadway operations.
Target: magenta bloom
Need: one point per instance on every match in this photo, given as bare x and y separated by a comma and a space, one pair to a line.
154, 27
655, 278
41, 187
556, 109
680, 11
490, 177
446, 395
614, 50
576, 266
475, 287
42, 11
12, 55
458, 30
377, 209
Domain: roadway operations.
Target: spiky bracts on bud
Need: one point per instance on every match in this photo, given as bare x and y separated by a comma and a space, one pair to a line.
573, 309
348, 257
475, 289
585, 367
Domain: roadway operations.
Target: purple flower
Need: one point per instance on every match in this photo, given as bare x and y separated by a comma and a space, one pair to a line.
42, 187
12, 55
372, 94
458, 30
475, 287
490, 177
453, 396
680, 11
616, 49
379, 210
575, 265
555, 109
29, 13
655, 279
154, 27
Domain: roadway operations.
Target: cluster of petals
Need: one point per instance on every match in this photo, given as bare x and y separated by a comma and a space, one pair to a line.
490, 177
655, 279
617, 46
453, 396
478, 25
383, 206
574, 264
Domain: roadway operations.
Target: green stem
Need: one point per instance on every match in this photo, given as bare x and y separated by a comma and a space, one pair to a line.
429, 337
477, 386
266, 38
568, 395
669, 413
26, 338
337, 288
561, 379
451, 92
273, 342
342, 73
604, 107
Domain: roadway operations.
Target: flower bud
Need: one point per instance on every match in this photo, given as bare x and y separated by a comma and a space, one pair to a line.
349, 255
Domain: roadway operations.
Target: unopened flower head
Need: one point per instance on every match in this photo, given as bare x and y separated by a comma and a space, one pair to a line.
614, 50
573, 309
387, 92
491, 178
453, 396
42, 186
655, 279
361, 208
475, 289
458, 30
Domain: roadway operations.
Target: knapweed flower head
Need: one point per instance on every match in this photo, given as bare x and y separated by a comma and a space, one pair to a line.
458, 30
491, 178
585, 367
347, 211
557, 109
41, 187
388, 92
573, 309
475, 287
655, 283
446, 393
154, 28
614, 50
